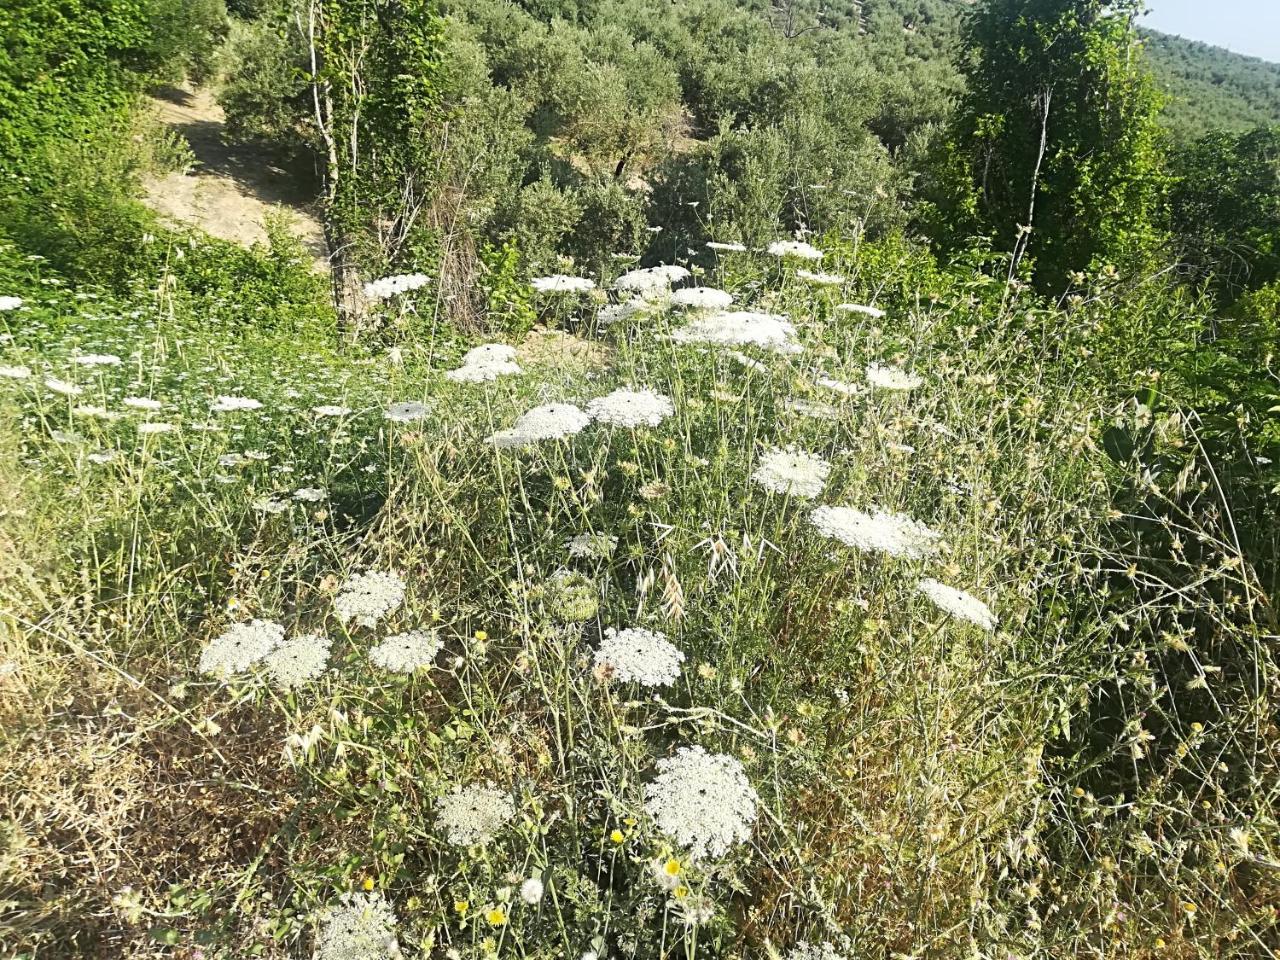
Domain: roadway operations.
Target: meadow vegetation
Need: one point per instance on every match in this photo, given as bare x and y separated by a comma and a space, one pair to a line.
695, 516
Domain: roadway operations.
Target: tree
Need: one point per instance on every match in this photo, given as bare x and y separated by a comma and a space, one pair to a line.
1054, 151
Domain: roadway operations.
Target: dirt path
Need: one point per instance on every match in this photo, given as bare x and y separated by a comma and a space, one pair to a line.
233, 187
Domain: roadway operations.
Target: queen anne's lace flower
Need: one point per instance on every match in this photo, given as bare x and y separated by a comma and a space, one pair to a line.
231, 404
631, 408
331, 410
737, 328
642, 656
63, 387
10, 303
821, 279
387, 287
814, 951
592, 546
142, 403
880, 531
561, 283
651, 280
368, 597
875, 313
617, 312
839, 386
552, 421
703, 801
407, 652
795, 248
891, 378
723, 247
702, 298
97, 360
299, 660
310, 494
361, 926
793, 472
151, 428
407, 411
240, 647
486, 362
15, 373
474, 814
959, 603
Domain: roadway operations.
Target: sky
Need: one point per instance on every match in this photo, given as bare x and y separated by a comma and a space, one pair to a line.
1245, 26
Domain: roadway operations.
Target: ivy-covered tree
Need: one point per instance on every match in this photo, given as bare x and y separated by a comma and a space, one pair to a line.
1054, 151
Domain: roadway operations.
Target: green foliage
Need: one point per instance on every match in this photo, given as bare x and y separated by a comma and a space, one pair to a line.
1224, 209
265, 92
507, 296
1054, 150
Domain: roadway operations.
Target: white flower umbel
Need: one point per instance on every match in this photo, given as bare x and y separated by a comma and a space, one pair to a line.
821, 279
63, 387
592, 546
631, 408
814, 951
703, 801
651, 281
310, 494
880, 531
486, 362
366, 598
388, 287
331, 410
795, 248
739, 328
793, 472
298, 661
702, 298
360, 926
561, 283
839, 386
891, 378
151, 428
726, 247
474, 814
531, 891
875, 313
551, 421
641, 656
97, 360
15, 373
959, 604
142, 403
240, 647
228, 404
407, 411
618, 312
407, 652
10, 303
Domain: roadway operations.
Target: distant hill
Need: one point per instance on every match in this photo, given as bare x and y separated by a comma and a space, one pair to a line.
1209, 88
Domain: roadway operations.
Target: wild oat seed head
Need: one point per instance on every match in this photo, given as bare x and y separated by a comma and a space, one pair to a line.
631, 408
959, 603
407, 652
367, 598
474, 814
636, 655
240, 646
299, 660
702, 800
793, 472
880, 531
361, 926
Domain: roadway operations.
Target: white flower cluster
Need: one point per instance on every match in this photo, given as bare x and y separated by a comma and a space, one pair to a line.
97, 360
726, 247
407, 411
875, 313
387, 287
552, 421
227, 404
361, 926
839, 386
151, 428
617, 312
821, 279
702, 800
240, 647
63, 387
368, 597
592, 546
795, 248
560, 283
474, 814
10, 303
702, 298
651, 281
881, 531
331, 410
959, 603
142, 403
741, 327
15, 373
792, 471
488, 361
631, 408
804, 950
299, 660
531, 891
406, 652
642, 656
891, 378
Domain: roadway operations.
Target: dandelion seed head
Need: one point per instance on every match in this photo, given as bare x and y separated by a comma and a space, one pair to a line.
531, 891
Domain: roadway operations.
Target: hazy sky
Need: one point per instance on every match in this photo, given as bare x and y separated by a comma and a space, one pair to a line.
1245, 26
